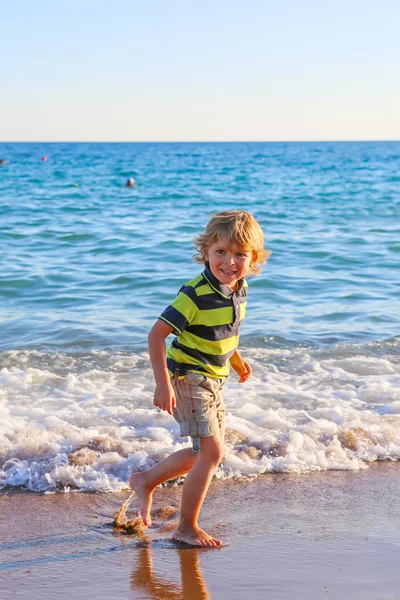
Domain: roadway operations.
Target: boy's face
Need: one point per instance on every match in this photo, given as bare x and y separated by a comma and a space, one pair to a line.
228, 261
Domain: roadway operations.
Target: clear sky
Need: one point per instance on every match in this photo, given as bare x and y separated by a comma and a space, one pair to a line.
158, 70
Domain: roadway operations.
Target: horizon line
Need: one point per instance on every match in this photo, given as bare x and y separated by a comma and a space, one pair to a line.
327, 141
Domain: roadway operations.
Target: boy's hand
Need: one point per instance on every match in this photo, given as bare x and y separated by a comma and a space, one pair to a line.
164, 397
241, 366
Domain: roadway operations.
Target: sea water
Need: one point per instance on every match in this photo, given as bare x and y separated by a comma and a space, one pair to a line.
88, 264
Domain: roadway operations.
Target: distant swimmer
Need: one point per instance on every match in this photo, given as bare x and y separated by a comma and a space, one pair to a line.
44, 158
3, 162
130, 182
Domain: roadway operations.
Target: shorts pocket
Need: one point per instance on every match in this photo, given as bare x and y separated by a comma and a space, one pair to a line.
194, 378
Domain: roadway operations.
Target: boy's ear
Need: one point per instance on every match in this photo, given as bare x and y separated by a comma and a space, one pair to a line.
205, 254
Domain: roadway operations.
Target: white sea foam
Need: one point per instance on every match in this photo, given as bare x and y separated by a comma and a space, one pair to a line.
86, 421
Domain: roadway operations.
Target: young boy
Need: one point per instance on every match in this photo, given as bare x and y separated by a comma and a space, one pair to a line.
205, 317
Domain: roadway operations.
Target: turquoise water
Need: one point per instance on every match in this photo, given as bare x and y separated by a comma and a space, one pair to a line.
88, 264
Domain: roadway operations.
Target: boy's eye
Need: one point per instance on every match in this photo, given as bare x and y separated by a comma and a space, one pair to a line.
241, 255
220, 251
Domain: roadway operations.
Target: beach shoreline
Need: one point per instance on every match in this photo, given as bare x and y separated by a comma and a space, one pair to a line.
286, 536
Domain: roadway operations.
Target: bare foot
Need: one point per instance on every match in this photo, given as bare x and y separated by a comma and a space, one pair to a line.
195, 537
137, 483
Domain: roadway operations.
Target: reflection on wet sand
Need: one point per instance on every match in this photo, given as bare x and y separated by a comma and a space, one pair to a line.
159, 587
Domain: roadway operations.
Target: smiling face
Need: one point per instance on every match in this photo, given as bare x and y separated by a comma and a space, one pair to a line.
228, 261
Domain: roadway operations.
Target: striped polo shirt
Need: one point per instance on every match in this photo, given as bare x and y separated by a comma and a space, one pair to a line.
206, 317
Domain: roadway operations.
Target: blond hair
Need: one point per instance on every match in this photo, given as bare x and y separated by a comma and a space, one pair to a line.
240, 227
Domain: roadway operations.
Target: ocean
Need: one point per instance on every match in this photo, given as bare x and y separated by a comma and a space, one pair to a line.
88, 264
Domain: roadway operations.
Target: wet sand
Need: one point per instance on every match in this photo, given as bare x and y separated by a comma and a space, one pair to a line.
322, 535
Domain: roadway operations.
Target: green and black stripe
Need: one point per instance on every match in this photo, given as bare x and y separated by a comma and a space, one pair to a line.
206, 317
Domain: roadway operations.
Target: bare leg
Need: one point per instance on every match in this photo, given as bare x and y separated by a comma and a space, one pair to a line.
143, 484
194, 491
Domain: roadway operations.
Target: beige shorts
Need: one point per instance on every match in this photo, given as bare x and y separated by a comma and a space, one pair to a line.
200, 409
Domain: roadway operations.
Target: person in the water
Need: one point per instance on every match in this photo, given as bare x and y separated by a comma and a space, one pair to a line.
130, 182
205, 317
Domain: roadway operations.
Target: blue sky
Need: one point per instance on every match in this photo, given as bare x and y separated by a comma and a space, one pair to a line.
189, 70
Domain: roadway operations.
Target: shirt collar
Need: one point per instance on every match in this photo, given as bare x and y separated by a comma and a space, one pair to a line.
219, 287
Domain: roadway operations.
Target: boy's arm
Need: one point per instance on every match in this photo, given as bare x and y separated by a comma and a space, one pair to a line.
241, 366
164, 396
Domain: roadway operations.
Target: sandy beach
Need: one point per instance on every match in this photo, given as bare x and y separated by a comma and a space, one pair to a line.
331, 534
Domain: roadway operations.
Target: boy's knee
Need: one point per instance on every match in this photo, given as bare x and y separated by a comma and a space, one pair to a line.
212, 448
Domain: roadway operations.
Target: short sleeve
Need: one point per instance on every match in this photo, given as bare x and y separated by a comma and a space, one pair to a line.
182, 312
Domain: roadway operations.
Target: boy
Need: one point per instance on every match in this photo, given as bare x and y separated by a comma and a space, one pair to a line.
205, 317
